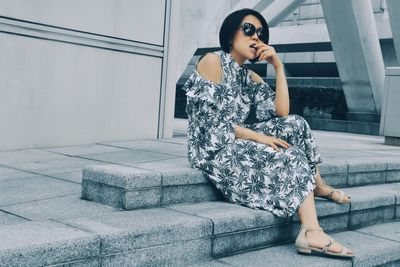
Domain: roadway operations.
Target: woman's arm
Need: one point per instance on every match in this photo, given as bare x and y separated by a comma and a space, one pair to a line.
248, 134
268, 53
282, 102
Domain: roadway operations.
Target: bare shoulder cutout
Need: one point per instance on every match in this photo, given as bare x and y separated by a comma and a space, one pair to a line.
209, 67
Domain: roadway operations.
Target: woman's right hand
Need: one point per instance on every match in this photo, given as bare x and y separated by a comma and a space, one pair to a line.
272, 142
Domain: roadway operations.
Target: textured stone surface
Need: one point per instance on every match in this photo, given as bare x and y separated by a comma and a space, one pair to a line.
128, 230
142, 198
7, 218
336, 179
152, 146
175, 171
325, 208
333, 167
229, 217
49, 167
367, 197
128, 157
101, 193
72, 175
389, 231
393, 176
90, 262
366, 165
121, 176
182, 253
371, 246
210, 263
80, 150
190, 193
393, 164
58, 208
388, 189
235, 228
370, 250
371, 216
119, 197
183, 176
12, 174
45, 243
365, 178
175, 174
34, 188
28, 155
250, 239
338, 222
283, 256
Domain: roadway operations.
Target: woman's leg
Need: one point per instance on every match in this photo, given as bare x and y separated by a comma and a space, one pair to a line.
308, 216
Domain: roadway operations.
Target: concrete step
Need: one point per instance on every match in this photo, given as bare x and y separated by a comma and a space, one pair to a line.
46, 243
155, 184
184, 234
377, 245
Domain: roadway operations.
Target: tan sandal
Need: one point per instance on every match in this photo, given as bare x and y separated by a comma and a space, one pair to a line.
340, 200
303, 246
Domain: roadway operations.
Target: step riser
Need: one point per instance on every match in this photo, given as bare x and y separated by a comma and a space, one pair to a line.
231, 243
157, 196
149, 197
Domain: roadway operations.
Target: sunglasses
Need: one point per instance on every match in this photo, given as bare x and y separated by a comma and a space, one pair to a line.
249, 29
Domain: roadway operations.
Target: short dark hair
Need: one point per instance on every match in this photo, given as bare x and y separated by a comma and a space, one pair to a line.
232, 23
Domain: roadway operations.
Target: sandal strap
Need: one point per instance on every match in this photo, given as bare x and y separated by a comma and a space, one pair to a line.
341, 196
312, 228
344, 250
331, 193
327, 246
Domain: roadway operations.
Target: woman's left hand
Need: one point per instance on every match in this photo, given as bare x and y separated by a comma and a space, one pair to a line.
268, 53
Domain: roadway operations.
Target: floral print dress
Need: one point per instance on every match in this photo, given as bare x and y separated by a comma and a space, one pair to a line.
248, 173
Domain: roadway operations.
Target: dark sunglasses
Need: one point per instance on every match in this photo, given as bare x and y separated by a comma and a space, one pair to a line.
249, 29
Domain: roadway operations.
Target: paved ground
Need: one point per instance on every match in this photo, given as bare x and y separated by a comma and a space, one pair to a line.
40, 184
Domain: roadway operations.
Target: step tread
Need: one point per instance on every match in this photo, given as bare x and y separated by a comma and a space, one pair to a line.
179, 172
123, 231
44, 243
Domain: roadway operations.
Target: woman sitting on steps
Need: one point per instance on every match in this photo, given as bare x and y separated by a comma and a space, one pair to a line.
270, 164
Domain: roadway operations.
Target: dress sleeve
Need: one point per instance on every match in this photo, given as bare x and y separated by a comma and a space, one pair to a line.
264, 100
211, 112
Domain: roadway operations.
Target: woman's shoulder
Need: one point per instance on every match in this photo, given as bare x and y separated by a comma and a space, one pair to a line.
209, 66
255, 77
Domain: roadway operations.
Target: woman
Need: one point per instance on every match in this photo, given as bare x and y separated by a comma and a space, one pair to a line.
270, 164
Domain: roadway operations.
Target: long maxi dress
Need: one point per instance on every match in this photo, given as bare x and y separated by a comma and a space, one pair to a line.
248, 173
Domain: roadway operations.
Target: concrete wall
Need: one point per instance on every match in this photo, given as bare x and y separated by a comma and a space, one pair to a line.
76, 72
310, 12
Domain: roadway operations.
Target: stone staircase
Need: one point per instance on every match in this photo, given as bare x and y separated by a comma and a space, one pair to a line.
167, 214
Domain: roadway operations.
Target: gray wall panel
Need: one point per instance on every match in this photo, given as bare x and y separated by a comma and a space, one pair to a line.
54, 93
134, 20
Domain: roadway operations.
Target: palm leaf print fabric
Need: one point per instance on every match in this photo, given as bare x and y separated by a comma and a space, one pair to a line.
248, 173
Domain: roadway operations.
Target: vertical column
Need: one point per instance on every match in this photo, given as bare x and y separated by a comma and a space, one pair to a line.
354, 37
394, 11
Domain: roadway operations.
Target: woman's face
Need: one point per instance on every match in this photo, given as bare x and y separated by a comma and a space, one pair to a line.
241, 42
